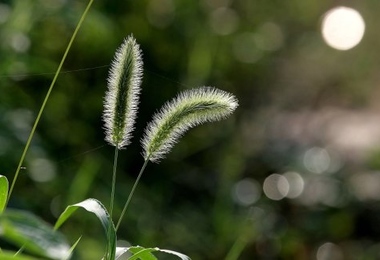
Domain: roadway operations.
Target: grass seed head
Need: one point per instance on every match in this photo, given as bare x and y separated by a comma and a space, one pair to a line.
122, 97
188, 109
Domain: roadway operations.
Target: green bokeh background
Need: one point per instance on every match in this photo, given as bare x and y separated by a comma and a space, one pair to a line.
293, 89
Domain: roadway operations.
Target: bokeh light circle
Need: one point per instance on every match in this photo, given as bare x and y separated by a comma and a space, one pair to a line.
276, 186
296, 184
329, 251
342, 28
246, 192
317, 160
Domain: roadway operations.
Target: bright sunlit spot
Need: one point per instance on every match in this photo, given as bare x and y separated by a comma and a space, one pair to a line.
317, 160
276, 187
329, 251
296, 184
342, 28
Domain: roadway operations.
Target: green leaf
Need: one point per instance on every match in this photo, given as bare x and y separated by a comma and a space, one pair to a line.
3, 192
142, 253
7, 255
72, 249
120, 251
96, 207
139, 252
182, 256
33, 234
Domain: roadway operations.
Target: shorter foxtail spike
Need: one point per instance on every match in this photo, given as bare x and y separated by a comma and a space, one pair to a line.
188, 109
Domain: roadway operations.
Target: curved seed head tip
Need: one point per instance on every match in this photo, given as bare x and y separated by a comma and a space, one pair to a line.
122, 96
188, 109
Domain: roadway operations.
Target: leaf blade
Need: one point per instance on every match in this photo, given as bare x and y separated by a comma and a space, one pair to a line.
142, 253
180, 255
4, 186
8, 255
72, 248
33, 234
96, 207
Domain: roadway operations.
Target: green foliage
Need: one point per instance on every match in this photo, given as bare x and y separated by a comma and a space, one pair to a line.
70, 252
139, 252
188, 109
28, 231
294, 91
96, 207
3, 192
6, 255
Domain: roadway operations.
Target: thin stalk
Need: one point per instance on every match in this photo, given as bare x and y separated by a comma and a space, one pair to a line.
247, 234
238, 247
113, 180
112, 195
131, 193
47, 97
19, 251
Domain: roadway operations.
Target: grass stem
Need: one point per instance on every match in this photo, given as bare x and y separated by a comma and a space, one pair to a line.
113, 180
247, 235
131, 193
238, 247
46, 99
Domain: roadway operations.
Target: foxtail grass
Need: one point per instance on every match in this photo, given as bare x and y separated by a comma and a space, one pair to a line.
189, 109
121, 100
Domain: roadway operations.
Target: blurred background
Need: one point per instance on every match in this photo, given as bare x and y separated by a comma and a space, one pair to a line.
293, 174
